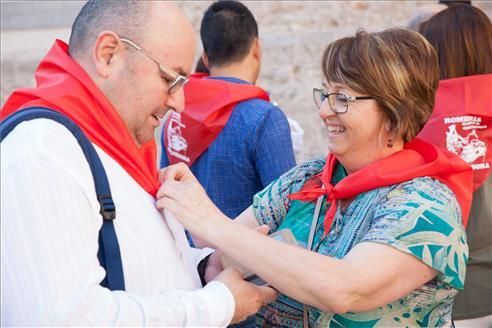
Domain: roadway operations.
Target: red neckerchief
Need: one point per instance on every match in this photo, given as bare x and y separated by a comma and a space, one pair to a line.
417, 159
462, 122
209, 104
64, 86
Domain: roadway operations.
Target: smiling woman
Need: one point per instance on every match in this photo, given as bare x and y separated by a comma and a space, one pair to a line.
375, 107
380, 197
402, 81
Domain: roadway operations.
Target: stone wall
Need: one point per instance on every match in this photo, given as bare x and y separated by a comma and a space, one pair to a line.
293, 36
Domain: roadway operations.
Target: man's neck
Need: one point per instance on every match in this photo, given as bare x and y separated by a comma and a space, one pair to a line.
238, 71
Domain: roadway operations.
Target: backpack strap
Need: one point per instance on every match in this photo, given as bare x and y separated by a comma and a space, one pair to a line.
109, 251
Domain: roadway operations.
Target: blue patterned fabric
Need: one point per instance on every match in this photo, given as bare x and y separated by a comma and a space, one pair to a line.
420, 217
253, 149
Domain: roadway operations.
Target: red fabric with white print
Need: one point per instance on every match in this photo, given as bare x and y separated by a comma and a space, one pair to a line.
462, 122
208, 105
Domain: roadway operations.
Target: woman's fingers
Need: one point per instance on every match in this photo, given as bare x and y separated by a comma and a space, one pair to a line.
179, 190
164, 190
188, 202
178, 172
183, 195
168, 203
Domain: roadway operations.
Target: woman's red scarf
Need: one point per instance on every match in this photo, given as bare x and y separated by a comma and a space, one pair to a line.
208, 106
417, 159
64, 86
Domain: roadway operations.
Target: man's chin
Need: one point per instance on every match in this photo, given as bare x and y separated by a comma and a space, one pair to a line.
143, 140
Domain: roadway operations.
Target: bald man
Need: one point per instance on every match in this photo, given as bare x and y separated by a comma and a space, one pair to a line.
121, 72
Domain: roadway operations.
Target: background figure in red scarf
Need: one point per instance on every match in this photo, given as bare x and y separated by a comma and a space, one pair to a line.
462, 37
388, 247
230, 133
122, 71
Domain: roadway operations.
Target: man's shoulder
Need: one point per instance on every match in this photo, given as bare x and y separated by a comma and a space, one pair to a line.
40, 137
259, 105
256, 110
43, 144
37, 134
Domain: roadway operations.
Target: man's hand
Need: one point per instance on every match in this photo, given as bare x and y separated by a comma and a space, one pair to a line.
248, 297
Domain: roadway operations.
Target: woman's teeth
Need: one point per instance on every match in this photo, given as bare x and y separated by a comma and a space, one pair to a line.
336, 129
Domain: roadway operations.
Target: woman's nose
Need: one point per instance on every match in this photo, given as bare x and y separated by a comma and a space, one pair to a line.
325, 110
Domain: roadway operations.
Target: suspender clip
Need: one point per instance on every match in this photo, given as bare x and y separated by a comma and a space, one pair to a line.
108, 210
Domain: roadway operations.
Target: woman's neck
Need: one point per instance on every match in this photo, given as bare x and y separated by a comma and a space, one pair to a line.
355, 163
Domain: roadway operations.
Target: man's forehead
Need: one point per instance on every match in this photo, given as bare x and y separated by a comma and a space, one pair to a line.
171, 37
179, 60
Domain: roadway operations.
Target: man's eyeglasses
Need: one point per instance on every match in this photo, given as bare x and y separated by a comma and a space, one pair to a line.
338, 102
175, 80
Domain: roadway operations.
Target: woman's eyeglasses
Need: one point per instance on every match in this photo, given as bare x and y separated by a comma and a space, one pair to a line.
337, 101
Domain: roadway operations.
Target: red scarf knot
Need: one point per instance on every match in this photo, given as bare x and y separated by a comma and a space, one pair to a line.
318, 186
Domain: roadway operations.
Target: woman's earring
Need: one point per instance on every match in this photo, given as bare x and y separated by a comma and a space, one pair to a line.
390, 143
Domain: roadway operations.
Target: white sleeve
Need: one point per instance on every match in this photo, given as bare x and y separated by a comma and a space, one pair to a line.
50, 273
201, 253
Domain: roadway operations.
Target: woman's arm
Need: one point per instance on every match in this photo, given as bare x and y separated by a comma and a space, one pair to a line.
247, 218
369, 276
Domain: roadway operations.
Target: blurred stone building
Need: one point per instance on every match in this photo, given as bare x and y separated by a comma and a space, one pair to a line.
293, 35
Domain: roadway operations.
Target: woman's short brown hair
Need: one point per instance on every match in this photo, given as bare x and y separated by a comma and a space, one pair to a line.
396, 66
462, 37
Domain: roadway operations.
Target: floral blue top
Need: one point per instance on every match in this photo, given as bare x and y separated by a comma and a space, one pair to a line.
421, 217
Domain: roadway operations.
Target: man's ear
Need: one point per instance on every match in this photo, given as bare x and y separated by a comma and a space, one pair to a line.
106, 45
205, 60
256, 49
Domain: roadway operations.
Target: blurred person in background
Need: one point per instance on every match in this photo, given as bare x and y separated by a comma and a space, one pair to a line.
455, 2
462, 123
201, 68
230, 134
422, 14
380, 221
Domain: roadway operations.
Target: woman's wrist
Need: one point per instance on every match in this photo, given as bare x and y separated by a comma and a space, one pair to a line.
217, 233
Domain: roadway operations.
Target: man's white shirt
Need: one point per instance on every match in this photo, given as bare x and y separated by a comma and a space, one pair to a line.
50, 223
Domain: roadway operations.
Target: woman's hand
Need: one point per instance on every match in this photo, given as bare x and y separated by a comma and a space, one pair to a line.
178, 172
182, 194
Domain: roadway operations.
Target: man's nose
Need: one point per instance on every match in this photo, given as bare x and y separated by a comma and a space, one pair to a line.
176, 100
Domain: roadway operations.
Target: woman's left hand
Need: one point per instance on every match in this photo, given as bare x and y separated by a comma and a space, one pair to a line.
182, 194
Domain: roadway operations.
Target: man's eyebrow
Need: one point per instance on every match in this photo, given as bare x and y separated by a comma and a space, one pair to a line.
324, 85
